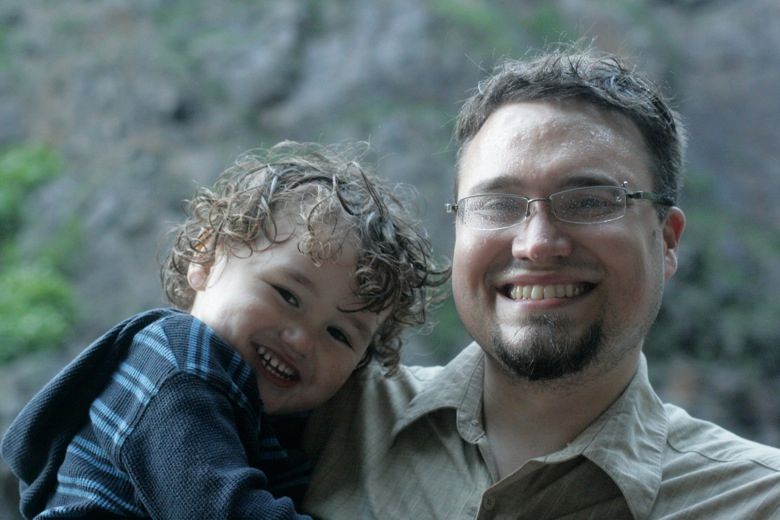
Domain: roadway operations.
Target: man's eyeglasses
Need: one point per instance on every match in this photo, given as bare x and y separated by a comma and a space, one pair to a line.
588, 205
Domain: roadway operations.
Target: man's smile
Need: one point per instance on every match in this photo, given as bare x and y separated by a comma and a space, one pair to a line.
545, 291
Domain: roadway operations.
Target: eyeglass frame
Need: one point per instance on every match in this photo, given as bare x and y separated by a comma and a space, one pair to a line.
655, 198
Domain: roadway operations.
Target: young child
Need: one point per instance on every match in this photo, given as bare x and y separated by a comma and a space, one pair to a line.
295, 269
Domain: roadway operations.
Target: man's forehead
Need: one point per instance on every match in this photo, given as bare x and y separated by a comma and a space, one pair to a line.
542, 136
574, 118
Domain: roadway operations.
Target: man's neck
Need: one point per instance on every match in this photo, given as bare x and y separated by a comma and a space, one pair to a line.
525, 419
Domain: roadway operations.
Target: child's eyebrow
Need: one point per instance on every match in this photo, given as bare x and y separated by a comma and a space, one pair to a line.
359, 325
303, 280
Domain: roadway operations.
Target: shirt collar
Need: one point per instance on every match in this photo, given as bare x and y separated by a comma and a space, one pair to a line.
458, 385
627, 441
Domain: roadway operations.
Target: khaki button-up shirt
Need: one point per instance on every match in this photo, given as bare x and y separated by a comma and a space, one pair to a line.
413, 446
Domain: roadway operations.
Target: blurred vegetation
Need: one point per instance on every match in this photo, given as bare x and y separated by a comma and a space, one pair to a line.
446, 338
22, 168
493, 29
36, 299
722, 304
484, 25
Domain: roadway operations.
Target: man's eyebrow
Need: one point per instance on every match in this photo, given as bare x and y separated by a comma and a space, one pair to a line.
590, 179
498, 183
515, 183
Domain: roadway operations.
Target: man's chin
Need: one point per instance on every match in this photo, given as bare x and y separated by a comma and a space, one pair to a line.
546, 351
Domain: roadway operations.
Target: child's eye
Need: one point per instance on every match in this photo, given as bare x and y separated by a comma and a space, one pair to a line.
338, 335
288, 296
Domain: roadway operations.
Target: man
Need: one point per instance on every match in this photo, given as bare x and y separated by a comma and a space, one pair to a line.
566, 232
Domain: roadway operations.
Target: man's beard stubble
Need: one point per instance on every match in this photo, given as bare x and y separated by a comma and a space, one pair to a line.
551, 353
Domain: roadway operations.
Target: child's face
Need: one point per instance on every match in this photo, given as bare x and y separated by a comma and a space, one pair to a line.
282, 313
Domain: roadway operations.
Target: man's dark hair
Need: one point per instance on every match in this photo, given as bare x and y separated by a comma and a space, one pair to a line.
584, 75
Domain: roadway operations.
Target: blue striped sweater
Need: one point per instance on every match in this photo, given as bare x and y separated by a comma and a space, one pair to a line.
158, 418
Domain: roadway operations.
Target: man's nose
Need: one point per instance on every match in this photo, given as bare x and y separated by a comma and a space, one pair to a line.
540, 236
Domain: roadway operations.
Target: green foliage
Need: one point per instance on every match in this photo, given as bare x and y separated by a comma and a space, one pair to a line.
482, 24
184, 23
722, 304
58, 251
36, 309
545, 24
22, 168
477, 16
36, 300
503, 29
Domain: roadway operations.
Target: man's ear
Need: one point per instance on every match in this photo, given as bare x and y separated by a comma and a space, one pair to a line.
198, 276
673, 227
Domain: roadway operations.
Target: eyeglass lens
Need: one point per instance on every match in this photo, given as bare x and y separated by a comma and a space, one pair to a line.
578, 205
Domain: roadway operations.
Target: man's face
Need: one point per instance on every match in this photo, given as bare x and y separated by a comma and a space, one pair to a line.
592, 291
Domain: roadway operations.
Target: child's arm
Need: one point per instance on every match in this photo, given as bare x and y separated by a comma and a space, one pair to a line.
187, 458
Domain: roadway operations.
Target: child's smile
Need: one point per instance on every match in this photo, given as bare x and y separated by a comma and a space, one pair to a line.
277, 368
287, 317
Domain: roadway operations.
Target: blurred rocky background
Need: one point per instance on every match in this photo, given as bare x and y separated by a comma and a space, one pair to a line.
111, 111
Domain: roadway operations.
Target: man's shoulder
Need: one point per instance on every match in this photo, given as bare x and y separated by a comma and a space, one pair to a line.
404, 376
372, 387
709, 472
408, 389
714, 444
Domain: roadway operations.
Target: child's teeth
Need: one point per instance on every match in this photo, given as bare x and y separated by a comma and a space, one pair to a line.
274, 364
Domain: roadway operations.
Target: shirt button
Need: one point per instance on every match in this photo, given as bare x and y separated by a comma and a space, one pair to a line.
488, 503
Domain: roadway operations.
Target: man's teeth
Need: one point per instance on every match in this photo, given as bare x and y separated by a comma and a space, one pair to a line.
275, 365
544, 292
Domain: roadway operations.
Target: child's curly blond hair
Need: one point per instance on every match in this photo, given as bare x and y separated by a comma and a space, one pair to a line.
337, 200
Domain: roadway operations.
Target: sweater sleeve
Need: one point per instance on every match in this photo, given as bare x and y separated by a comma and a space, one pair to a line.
187, 458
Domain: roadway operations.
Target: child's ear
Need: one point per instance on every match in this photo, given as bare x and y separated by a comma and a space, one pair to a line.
198, 275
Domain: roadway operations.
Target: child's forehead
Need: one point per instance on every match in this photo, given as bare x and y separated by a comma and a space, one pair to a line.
323, 242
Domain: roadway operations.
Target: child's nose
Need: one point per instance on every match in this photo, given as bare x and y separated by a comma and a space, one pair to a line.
298, 337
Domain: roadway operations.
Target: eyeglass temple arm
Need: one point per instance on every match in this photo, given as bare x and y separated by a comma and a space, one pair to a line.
648, 195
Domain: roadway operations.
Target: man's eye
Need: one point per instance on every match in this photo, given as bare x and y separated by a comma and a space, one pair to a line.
496, 209
338, 335
590, 201
288, 296
497, 204
586, 202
